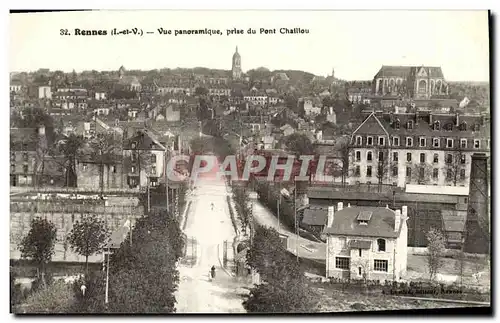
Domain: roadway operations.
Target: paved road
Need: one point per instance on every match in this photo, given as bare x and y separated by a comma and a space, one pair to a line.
307, 248
197, 294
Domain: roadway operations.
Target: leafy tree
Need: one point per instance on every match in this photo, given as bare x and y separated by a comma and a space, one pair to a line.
201, 91
300, 144
71, 149
105, 149
435, 246
88, 236
268, 256
284, 289
38, 244
243, 209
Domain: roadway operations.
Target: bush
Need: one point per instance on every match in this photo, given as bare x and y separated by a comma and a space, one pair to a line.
55, 298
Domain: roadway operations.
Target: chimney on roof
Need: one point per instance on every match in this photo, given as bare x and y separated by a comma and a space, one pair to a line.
430, 118
457, 119
348, 204
340, 206
330, 216
41, 130
404, 211
397, 220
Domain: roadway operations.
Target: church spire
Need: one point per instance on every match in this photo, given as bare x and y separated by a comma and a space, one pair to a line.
236, 48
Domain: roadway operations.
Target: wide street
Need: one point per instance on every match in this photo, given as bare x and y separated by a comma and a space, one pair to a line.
210, 228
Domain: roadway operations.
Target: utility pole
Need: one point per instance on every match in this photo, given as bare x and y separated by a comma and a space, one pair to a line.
106, 299
295, 216
279, 205
149, 196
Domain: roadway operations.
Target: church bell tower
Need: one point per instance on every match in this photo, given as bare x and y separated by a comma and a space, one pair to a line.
236, 66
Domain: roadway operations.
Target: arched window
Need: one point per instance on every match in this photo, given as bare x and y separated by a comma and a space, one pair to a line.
381, 244
397, 124
369, 156
437, 125
409, 124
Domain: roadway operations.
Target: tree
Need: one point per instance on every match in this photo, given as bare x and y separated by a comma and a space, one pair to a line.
243, 209
284, 289
200, 91
383, 165
151, 264
105, 149
299, 144
71, 149
88, 236
345, 155
421, 173
436, 247
454, 168
38, 244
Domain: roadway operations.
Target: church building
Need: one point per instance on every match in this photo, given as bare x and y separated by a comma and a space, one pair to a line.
236, 66
413, 82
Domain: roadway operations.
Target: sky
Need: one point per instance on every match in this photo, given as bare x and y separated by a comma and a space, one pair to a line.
354, 43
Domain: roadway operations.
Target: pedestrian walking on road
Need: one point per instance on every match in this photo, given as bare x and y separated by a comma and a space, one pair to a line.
212, 272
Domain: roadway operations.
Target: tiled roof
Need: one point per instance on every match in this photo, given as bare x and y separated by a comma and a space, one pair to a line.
315, 216
406, 71
381, 223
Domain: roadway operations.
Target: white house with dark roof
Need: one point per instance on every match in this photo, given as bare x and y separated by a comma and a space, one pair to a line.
366, 243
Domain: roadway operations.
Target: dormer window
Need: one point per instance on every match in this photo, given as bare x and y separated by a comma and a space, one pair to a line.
449, 126
476, 127
133, 145
397, 124
409, 124
437, 125
463, 126
364, 217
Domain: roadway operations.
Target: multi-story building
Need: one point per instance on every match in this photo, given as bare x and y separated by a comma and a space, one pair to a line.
366, 243
143, 159
25, 156
421, 147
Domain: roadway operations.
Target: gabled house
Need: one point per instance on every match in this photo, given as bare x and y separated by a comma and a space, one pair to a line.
366, 243
144, 159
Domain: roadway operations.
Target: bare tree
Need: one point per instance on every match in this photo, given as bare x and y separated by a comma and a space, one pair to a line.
384, 165
435, 246
455, 166
421, 173
345, 151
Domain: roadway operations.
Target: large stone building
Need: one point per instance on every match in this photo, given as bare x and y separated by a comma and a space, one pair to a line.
422, 147
366, 243
414, 82
236, 66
